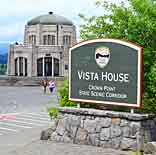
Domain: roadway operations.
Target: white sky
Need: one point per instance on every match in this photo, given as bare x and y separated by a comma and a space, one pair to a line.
14, 14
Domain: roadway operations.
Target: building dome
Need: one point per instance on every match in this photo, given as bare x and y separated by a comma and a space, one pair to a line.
50, 19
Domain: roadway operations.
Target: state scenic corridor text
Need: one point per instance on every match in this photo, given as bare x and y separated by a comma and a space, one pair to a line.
107, 91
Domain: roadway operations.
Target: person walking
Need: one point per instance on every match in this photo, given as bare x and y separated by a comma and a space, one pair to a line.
45, 84
52, 85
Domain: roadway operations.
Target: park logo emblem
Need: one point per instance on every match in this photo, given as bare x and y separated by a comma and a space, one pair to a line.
102, 56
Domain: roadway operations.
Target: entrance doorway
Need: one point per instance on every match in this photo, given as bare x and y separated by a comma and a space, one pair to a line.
40, 67
21, 66
45, 66
48, 66
56, 67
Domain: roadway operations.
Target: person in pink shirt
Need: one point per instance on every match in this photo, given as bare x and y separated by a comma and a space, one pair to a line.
52, 85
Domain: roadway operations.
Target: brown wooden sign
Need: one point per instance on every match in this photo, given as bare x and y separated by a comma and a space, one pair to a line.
106, 71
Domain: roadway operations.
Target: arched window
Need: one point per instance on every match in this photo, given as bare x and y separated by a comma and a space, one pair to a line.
56, 67
48, 40
32, 39
45, 40
16, 67
67, 40
40, 67
21, 66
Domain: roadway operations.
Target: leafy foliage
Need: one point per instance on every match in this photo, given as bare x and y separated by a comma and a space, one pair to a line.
3, 68
53, 112
64, 101
134, 21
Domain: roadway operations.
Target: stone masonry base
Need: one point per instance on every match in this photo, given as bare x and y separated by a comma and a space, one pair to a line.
108, 129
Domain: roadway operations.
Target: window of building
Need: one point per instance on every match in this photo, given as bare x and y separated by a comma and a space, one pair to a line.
32, 39
53, 40
45, 40
49, 40
67, 40
66, 67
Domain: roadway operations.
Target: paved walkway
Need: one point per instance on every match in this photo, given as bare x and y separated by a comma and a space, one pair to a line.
15, 123
17, 130
20, 136
51, 148
26, 99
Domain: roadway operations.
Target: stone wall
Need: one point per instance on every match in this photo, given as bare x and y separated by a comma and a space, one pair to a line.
107, 129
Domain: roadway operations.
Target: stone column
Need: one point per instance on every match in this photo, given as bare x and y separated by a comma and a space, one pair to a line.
18, 67
25, 36
11, 61
60, 34
47, 40
61, 67
43, 67
38, 34
23, 66
35, 65
29, 63
52, 66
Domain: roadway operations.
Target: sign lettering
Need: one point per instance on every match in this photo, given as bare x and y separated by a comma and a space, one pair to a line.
106, 71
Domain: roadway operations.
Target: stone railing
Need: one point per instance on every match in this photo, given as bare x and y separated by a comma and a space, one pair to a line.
107, 129
53, 48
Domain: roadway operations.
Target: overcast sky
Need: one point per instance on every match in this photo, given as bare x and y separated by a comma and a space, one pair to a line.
14, 14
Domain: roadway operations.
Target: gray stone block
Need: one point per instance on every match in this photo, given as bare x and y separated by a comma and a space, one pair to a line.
56, 137
82, 123
67, 138
75, 121
90, 125
115, 131
103, 123
126, 131
105, 144
81, 136
136, 127
94, 139
150, 148
46, 134
124, 123
105, 134
61, 127
129, 144
115, 142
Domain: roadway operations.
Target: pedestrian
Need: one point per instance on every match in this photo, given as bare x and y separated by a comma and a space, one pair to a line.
44, 84
52, 85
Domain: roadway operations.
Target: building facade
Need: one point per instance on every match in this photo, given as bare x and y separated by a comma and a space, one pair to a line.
47, 39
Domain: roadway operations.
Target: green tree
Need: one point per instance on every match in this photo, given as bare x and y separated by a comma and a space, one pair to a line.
2, 66
134, 21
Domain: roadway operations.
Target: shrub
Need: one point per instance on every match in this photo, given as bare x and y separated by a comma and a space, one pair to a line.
64, 101
53, 112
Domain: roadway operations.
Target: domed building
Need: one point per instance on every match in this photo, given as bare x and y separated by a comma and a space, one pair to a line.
47, 39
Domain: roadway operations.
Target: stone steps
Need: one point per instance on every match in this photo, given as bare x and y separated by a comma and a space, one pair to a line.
27, 81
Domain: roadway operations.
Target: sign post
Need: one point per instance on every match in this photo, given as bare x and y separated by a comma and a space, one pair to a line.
106, 71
